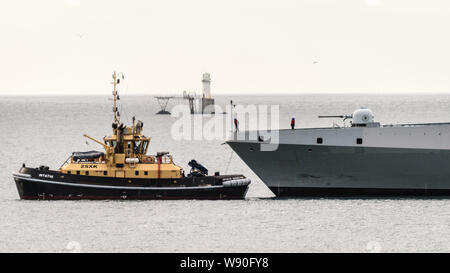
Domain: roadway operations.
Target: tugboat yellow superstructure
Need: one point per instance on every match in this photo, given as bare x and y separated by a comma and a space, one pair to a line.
125, 171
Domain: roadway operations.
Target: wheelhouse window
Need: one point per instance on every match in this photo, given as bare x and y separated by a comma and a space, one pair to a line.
144, 146
137, 147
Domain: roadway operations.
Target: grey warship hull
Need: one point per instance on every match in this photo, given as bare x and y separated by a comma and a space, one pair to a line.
391, 161
303, 170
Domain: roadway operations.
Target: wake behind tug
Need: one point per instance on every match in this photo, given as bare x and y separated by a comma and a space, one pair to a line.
125, 171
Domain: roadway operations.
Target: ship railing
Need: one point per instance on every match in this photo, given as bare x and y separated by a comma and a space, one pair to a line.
415, 124
67, 161
167, 159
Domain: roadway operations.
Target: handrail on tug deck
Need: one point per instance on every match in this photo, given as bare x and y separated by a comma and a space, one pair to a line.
65, 162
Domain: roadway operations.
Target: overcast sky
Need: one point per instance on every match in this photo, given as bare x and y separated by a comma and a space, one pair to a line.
248, 46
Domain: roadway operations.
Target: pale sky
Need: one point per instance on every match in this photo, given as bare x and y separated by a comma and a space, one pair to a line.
248, 46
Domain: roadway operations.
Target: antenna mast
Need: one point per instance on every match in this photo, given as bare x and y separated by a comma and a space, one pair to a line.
116, 81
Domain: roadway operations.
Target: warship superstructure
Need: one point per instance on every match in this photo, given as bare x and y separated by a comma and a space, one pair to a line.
125, 171
363, 159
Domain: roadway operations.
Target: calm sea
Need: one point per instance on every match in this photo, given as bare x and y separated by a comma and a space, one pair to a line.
45, 130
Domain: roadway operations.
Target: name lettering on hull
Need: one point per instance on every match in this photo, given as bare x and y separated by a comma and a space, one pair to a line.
89, 166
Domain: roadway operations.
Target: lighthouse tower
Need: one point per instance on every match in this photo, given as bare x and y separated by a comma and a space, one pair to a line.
206, 81
207, 102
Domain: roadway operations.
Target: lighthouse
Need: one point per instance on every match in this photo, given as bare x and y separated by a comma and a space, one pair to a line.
207, 102
206, 81
198, 104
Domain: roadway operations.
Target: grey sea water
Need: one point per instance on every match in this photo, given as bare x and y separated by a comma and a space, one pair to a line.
45, 130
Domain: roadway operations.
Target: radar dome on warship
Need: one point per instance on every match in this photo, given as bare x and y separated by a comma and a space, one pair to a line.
363, 117
125, 171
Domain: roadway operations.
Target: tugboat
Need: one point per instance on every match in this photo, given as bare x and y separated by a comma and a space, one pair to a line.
125, 171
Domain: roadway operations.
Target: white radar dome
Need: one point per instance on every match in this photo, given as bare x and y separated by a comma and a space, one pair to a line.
362, 116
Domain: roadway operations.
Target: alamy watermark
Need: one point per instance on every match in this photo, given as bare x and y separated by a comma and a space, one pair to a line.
373, 247
73, 247
250, 123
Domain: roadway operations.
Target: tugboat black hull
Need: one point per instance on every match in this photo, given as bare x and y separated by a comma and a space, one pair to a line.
33, 184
